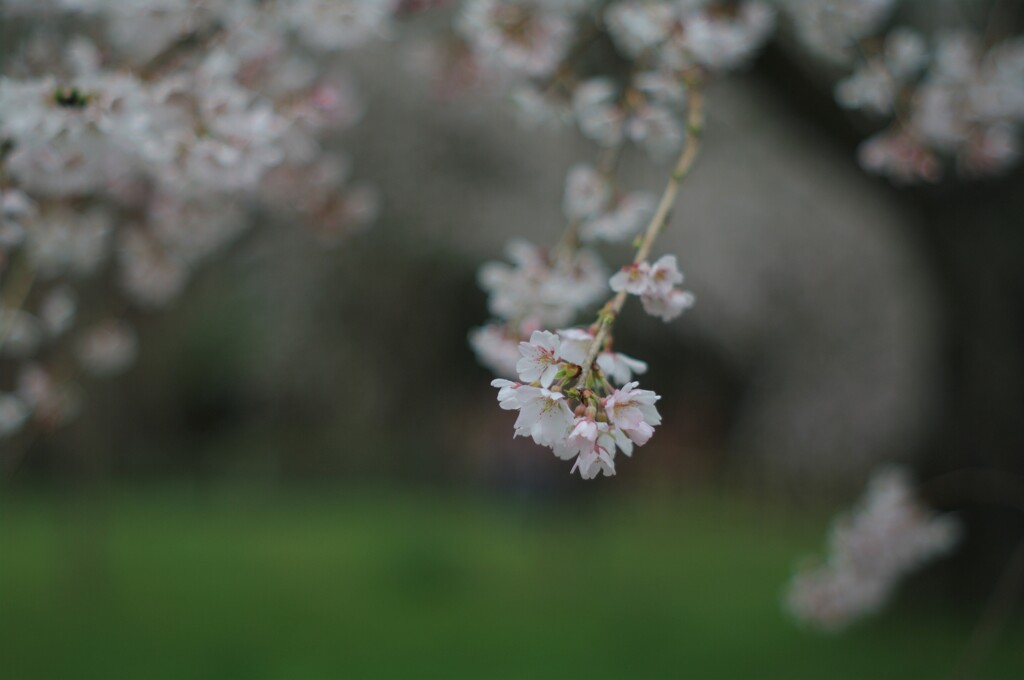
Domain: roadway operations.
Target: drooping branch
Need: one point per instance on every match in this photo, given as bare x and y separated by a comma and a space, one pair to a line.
691, 148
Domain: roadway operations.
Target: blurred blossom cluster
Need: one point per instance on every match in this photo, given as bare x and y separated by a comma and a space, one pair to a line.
948, 98
137, 141
888, 536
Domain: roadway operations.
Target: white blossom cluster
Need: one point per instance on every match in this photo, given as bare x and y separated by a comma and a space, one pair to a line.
655, 284
833, 29
586, 418
955, 101
951, 97
872, 549
603, 213
539, 49
587, 425
535, 49
135, 142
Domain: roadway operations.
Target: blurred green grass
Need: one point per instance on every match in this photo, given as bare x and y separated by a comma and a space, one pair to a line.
222, 583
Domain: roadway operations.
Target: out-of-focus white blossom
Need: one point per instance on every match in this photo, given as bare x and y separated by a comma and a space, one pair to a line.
623, 220
14, 412
872, 87
20, 333
537, 111
15, 209
62, 241
58, 309
149, 275
534, 288
596, 109
496, 348
107, 348
831, 27
526, 37
135, 154
638, 26
685, 35
719, 42
951, 102
338, 24
900, 157
587, 192
79, 137
906, 53
889, 535
601, 213
52, 404
648, 113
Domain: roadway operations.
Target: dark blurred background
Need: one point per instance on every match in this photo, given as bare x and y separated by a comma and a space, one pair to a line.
306, 474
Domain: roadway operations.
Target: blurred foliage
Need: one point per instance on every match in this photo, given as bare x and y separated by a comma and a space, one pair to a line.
219, 582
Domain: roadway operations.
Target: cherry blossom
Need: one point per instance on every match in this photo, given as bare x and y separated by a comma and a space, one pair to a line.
655, 284
888, 535
541, 361
543, 415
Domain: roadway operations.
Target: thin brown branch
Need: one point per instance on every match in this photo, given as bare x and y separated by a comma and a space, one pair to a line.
608, 314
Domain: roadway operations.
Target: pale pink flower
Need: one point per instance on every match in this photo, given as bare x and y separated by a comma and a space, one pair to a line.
663, 276
624, 219
632, 410
595, 449
541, 361
633, 278
597, 112
543, 415
620, 368
638, 26
668, 306
586, 192
528, 37
574, 345
871, 88
901, 157
496, 348
591, 444
507, 393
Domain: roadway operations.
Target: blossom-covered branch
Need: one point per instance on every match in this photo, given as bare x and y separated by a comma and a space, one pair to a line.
954, 98
639, 272
137, 142
574, 392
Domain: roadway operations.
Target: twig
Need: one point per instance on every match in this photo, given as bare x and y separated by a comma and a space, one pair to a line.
608, 313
